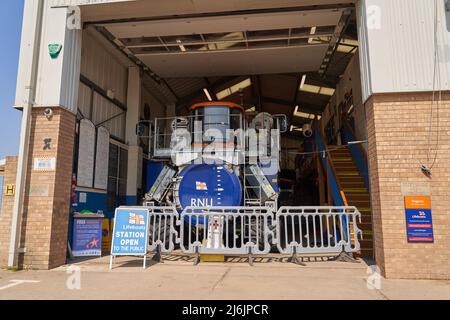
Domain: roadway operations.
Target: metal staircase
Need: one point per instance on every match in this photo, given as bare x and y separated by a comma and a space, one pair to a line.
355, 193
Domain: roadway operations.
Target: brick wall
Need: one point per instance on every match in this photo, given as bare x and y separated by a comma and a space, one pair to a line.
398, 126
6, 210
44, 227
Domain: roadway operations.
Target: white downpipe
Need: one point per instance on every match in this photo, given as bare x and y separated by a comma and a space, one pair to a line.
32, 25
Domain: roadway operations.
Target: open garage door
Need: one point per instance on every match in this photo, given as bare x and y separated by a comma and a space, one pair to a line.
274, 57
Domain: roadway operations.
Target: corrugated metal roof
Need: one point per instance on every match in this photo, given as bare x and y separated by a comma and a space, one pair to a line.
160, 91
186, 86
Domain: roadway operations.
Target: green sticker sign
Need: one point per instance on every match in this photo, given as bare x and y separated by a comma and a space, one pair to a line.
54, 50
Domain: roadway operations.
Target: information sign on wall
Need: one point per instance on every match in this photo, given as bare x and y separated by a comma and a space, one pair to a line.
419, 220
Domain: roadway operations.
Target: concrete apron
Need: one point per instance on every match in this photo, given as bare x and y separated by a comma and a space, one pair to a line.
129, 263
178, 279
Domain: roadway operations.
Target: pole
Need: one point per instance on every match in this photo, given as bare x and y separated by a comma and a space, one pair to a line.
32, 23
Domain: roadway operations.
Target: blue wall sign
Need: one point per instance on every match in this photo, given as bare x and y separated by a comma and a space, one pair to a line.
419, 221
87, 237
419, 225
130, 236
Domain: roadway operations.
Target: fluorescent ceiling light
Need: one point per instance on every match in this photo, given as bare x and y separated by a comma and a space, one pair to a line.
300, 114
318, 90
182, 48
297, 129
302, 83
347, 45
233, 89
226, 41
344, 49
305, 115
350, 42
351, 109
313, 31
208, 95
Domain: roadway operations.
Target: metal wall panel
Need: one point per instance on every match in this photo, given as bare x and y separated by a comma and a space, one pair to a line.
29, 44
397, 44
105, 110
101, 66
71, 70
157, 110
57, 77
84, 100
364, 61
96, 108
350, 81
183, 87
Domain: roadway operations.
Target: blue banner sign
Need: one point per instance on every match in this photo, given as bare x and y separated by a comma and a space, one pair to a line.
130, 236
419, 220
419, 224
87, 237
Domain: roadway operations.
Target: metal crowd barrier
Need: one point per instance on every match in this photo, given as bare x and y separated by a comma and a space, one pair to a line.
248, 230
318, 230
225, 230
162, 232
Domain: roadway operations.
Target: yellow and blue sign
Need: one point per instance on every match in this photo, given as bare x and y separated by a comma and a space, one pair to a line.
419, 220
106, 235
130, 236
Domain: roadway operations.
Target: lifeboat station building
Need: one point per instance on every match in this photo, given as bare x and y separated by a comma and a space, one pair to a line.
363, 86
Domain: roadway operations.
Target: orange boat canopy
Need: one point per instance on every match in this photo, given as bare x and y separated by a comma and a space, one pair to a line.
210, 104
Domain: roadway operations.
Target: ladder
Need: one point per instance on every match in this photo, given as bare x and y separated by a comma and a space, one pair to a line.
252, 192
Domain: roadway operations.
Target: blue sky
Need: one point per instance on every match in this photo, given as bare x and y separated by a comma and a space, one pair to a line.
10, 29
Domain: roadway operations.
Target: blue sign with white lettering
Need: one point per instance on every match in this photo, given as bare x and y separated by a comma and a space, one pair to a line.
130, 235
419, 225
87, 237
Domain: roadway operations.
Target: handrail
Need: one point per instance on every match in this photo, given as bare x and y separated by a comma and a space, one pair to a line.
339, 198
337, 192
352, 132
360, 157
